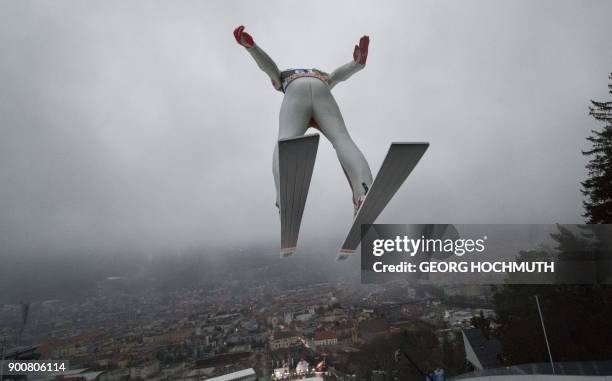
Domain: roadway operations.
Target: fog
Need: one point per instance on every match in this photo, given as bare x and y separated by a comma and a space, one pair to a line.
143, 126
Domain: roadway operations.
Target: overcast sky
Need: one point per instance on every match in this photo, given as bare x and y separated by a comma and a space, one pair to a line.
143, 125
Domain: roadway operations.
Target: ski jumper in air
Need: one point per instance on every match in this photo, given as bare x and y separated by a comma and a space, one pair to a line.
308, 102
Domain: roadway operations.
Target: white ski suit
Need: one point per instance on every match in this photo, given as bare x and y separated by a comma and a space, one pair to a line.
308, 102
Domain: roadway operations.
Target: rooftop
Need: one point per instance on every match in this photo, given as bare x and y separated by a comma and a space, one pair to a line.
486, 351
234, 375
324, 335
283, 334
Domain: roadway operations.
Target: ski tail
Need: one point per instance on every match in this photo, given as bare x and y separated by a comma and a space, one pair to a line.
398, 164
296, 162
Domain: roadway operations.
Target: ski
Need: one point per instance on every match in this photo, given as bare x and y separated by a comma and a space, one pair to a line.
399, 162
296, 162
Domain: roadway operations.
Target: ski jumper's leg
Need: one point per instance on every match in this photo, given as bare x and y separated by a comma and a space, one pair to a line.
295, 113
327, 115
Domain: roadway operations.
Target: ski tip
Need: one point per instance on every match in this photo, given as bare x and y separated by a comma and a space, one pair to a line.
287, 251
344, 254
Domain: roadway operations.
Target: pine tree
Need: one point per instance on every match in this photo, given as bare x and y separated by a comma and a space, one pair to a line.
598, 186
577, 316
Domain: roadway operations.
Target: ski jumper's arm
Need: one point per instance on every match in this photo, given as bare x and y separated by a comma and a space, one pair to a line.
265, 63
360, 55
343, 73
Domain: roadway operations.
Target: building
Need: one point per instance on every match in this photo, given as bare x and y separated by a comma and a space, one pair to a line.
324, 338
241, 375
144, 370
71, 375
302, 317
302, 367
281, 373
28, 352
367, 330
481, 352
283, 339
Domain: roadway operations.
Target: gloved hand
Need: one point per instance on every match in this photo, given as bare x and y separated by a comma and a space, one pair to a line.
243, 38
360, 54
